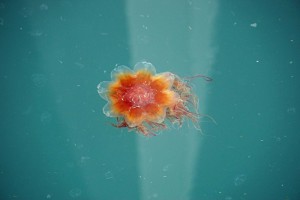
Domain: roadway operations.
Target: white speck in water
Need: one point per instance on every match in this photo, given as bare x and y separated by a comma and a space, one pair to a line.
254, 25
60, 61
104, 71
257, 61
190, 27
48, 196
291, 62
21, 28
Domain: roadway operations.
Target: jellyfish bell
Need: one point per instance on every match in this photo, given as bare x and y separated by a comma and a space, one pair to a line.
142, 100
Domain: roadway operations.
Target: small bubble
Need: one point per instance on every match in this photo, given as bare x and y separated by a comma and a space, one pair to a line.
75, 192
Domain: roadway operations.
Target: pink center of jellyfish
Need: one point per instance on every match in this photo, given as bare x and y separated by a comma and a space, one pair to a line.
139, 95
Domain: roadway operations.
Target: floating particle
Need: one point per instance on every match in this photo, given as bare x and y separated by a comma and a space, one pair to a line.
75, 192
109, 175
43, 7
254, 25
46, 117
240, 179
39, 80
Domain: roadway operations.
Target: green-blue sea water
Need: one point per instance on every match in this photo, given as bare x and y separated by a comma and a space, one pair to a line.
56, 143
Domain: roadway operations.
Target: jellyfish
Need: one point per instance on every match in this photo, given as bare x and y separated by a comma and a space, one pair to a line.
143, 100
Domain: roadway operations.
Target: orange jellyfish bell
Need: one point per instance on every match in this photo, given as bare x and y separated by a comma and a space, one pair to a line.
142, 100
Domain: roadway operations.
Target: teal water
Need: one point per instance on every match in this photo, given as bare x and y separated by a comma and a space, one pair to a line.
57, 144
